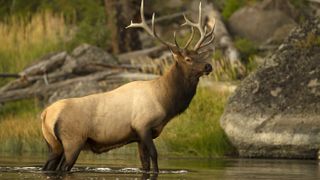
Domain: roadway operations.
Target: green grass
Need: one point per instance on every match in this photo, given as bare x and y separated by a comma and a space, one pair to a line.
196, 132
246, 48
230, 6
24, 41
20, 128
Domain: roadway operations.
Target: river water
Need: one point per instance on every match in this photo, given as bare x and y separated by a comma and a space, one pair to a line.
127, 167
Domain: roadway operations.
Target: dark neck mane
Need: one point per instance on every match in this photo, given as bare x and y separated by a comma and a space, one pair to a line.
178, 89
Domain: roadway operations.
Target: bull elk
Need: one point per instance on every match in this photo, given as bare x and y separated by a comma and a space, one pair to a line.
134, 112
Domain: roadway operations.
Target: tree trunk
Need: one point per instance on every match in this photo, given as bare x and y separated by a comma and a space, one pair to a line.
119, 14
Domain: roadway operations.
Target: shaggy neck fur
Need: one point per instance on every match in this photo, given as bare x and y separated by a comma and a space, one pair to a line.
179, 87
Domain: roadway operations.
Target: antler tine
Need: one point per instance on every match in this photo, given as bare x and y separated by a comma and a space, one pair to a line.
190, 39
208, 42
202, 29
212, 37
175, 40
144, 26
143, 23
154, 34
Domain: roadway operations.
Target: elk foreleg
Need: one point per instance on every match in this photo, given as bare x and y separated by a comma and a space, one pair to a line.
144, 157
147, 141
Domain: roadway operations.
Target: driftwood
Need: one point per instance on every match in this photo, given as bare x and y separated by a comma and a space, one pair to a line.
45, 65
40, 90
170, 17
131, 56
112, 77
9, 75
89, 68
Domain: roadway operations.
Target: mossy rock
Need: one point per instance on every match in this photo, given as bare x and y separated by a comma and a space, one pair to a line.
275, 112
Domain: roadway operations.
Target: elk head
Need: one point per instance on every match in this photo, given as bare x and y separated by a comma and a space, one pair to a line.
191, 61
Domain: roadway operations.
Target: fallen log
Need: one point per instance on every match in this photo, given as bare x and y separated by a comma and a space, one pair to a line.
170, 17
127, 58
45, 65
9, 75
26, 81
41, 89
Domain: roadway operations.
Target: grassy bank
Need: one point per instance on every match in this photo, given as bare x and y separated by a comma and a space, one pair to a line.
20, 128
195, 132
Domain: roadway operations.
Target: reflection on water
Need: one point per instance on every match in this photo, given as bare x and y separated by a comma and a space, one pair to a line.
85, 172
124, 167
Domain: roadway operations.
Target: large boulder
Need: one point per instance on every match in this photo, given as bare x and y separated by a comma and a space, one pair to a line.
275, 112
258, 23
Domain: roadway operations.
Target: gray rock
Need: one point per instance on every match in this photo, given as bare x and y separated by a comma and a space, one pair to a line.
256, 24
284, 5
275, 112
280, 33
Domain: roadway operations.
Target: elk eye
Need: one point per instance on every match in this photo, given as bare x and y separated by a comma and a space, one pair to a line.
187, 59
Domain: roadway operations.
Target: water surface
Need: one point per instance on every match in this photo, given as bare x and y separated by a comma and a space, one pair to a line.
127, 167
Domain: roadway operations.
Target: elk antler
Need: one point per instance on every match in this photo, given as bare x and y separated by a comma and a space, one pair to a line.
202, 29
203, 32
151, 31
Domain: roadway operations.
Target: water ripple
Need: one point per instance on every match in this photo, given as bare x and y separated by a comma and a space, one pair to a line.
30, 169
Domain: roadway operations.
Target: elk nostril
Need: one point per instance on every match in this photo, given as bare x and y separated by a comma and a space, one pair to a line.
208, 68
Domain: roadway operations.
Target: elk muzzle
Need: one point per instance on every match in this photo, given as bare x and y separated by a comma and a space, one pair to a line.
207, 69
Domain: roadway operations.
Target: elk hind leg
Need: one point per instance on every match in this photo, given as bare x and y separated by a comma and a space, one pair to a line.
72, 150
55, 154
52, 162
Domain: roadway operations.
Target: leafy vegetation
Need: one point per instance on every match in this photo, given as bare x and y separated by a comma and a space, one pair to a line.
228, 7
246, 48
197, 131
